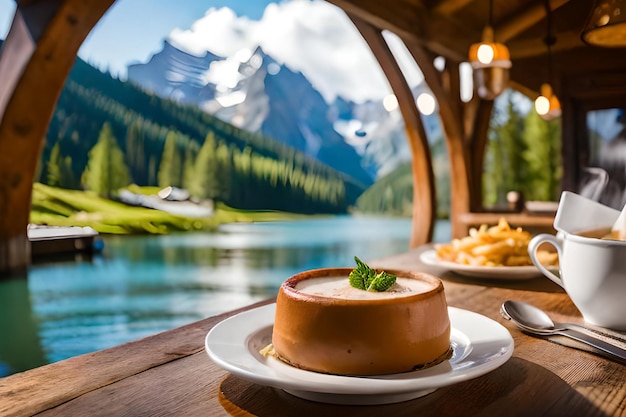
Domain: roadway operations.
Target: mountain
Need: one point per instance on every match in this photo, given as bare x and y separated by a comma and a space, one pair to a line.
258, 94
265, 97
174, 74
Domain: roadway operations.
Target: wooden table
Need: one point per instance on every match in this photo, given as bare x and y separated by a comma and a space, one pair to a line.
170, 374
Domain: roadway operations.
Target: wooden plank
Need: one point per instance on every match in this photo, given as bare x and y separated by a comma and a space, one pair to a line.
177, 396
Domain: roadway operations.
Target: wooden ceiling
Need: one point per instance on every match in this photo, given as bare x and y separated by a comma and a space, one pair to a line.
449, 27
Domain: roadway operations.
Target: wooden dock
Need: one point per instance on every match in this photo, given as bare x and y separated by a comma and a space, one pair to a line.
52, 240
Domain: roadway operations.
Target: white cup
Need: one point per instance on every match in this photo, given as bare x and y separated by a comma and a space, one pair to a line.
593, 273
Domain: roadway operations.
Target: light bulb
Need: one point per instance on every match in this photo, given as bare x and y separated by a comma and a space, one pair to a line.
542, 105
426, 104
390, 102
547, 104
485, 54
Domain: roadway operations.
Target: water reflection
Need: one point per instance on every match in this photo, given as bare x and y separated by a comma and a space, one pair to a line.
141, 285
20, 347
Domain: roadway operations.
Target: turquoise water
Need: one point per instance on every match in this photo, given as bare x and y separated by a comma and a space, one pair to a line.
141, 285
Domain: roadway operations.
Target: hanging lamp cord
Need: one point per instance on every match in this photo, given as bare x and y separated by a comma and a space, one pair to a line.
491, 19
550, 38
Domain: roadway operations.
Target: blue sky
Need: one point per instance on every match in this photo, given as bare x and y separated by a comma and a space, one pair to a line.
140, 26
310, 36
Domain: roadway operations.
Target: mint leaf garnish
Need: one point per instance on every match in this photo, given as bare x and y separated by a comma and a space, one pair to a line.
382, 282
365, 278
362, 275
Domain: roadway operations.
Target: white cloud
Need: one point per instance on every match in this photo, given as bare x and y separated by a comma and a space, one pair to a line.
313, 37
219, 31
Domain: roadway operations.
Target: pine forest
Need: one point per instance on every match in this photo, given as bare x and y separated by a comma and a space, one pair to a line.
106, 134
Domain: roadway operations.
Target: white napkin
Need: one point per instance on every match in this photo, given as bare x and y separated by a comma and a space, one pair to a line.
577, 213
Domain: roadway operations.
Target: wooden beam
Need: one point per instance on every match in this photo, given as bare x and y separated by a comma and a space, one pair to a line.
527, 48
37, 55
403, 17
604, 89
447, 7
584, 64
410, 20
528, 92
524, 19
424, 202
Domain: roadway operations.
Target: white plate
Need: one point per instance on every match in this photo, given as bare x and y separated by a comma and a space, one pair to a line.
430, 257
479, 344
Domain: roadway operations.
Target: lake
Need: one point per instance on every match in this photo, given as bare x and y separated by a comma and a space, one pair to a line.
141, 285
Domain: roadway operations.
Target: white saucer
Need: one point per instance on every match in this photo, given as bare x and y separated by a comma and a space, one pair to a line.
480, 345
430, 257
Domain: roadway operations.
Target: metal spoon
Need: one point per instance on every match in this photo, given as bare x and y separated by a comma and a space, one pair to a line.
535, 321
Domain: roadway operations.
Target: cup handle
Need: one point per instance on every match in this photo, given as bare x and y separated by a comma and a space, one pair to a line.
533, 246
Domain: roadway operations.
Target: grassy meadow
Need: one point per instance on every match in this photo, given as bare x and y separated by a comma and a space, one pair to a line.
61, 207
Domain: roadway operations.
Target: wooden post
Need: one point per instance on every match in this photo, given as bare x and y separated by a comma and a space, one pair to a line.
35, 59
478, 145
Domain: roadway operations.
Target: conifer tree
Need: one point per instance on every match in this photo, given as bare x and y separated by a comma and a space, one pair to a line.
542, 157
504, 168
135, 152
106, 170
205, 182
54, 167
189, 166
513, 145
224, 159
171, 166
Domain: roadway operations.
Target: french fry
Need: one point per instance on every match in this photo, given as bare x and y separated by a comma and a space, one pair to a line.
498, 245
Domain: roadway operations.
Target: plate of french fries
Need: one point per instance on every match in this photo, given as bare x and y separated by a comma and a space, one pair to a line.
498, 251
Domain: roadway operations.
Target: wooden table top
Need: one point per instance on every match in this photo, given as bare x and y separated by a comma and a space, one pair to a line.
169, 374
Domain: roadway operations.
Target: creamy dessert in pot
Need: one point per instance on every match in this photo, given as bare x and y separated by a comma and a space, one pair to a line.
326, 325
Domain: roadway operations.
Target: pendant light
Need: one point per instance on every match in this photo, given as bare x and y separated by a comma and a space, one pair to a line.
547, 105
606, 26
490, 62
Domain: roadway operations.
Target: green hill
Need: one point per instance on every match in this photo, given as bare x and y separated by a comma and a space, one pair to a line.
250, 171
393, 193
60, 207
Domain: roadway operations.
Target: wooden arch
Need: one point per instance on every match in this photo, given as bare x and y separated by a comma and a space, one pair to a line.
424, 207
35, 59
